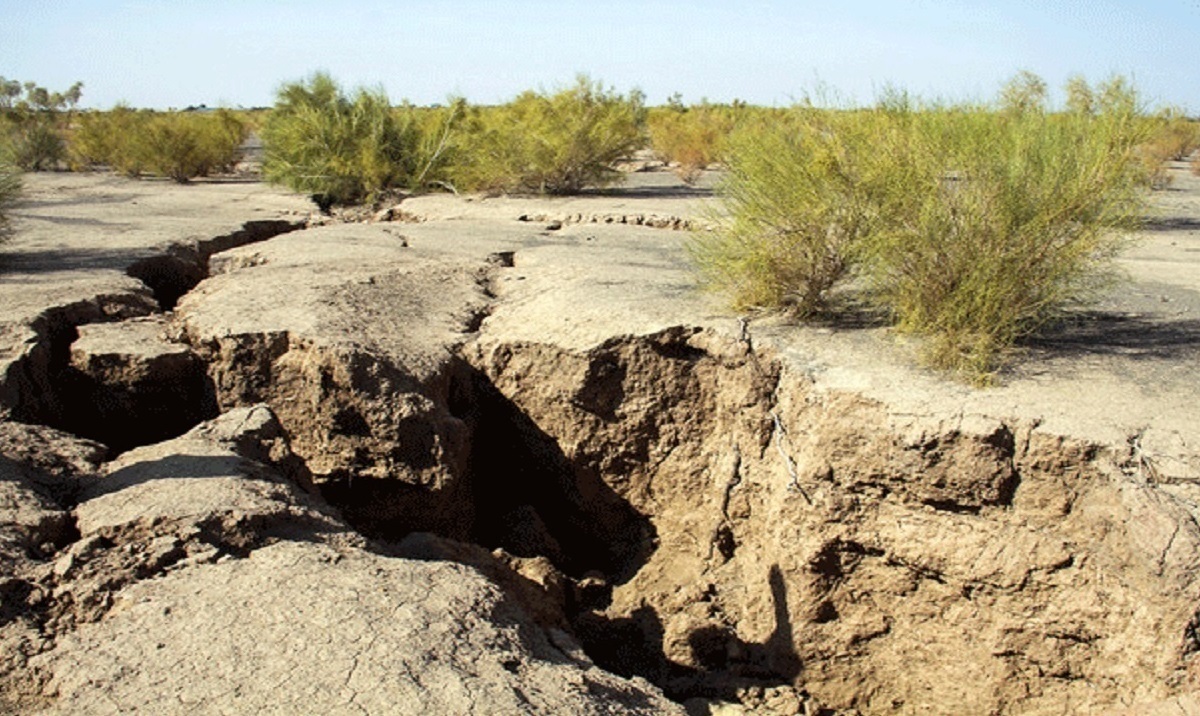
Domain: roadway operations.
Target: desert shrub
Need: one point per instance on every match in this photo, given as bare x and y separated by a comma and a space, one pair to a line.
1171, 137
341, 149
550, 143
186, 145
110, 139
1004, 220
34, 122
1081, 99
798, 199
35, 142
691, 138
1161, 137
971, 227
436, 134
1023, 93
179, 145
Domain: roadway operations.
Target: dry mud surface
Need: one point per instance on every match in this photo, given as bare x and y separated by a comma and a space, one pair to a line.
499, 455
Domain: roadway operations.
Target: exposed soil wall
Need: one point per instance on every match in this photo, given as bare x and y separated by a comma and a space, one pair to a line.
811, 539
695, 511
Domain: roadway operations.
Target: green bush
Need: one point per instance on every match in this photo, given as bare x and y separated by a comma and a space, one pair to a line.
179, 145
34, 121
342, 150
35, 142
436, 134
184, 146
971, 227
110, 139
1171, 137
690, 138
1000, 223
550, 143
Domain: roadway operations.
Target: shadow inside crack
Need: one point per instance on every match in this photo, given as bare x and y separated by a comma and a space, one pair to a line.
722, 662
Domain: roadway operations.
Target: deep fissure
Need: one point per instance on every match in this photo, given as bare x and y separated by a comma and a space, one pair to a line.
106, 400
534, 507
581, 474
170, 276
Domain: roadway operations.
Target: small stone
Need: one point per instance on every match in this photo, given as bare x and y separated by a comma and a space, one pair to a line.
64, 565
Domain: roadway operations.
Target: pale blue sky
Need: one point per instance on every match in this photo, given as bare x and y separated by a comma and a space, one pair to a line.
173, 53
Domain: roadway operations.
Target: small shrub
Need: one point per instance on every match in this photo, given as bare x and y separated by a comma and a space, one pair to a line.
690, 138
342, 150
184, 146
34, 121
797, 202
970, 226
179, 145
550, 144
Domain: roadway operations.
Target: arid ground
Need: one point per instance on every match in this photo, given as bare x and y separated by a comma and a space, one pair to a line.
501, 455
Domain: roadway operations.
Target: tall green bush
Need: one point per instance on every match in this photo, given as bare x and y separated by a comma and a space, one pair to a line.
437, 142
1003, 221
341, 149
798, 196
551, 143
970, 226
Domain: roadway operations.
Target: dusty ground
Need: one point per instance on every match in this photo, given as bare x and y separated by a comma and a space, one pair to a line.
780, 518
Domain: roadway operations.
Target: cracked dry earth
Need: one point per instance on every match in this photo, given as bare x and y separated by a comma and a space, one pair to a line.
499, 456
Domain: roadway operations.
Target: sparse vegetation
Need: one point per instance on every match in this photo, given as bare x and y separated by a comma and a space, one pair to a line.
690, 138
178, 145
340, 149
971, 226
33, 121
550, 143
